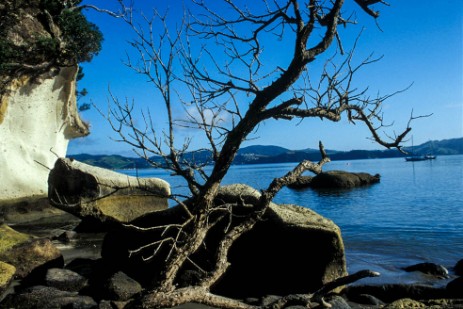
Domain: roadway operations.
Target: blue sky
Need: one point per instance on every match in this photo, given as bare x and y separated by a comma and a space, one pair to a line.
420, 42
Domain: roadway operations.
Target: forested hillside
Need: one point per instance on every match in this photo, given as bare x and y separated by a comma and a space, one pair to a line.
274, 154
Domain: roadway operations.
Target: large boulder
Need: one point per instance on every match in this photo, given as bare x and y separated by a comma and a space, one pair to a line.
91, 192
30, 256
301, 182
291, 250
342, 179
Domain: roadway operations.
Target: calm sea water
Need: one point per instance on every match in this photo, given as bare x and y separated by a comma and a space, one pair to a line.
415, 214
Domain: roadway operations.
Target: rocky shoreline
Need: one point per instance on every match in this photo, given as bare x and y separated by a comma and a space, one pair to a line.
79, 278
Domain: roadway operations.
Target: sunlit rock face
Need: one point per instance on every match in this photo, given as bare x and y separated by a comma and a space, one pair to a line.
38, 117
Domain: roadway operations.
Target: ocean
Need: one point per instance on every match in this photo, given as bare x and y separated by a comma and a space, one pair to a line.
414, 215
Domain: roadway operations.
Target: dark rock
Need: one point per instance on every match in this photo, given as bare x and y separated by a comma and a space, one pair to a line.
292, 250
111, 304
455, 287
269, 299
436, 270
366, 299
65, 280
48, 297
66, 236
301, 182
392, 292
32, 258
28, 210
342, 179
105, 304
337, 302
458, 269
98, 272
82, 266
122, 287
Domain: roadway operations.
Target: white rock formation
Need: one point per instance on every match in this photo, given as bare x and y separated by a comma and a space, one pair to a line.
37, 120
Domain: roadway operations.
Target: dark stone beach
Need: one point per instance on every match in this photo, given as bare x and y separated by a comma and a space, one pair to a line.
81, 280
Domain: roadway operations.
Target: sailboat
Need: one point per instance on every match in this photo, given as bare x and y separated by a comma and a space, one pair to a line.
420, 158
414, 157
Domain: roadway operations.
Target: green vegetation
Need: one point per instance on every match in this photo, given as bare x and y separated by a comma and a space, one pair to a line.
82, 106
82, 38
57, 35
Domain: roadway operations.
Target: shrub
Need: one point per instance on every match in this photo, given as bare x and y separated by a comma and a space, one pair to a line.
82, 39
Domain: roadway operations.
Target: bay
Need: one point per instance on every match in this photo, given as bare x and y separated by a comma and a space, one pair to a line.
415, 214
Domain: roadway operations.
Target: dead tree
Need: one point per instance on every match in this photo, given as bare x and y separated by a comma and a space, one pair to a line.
226, 96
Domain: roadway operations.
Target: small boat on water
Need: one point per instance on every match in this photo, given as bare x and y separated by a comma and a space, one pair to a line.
421, 158
414, 157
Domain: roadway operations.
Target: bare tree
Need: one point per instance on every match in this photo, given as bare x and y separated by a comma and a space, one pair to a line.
227, 96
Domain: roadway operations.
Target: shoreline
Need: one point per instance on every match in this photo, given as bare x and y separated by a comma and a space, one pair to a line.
88, 245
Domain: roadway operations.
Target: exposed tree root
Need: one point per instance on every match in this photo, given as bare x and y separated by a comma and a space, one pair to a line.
201, 295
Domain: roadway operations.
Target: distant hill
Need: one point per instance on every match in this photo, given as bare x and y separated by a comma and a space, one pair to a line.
443, 147
111, 161
275, 154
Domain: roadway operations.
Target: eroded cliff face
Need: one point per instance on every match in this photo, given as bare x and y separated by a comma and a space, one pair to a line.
38, 117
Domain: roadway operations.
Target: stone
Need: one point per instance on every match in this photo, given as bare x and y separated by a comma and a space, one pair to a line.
445, 303
391, 292
66, 236
48, 297
83, 266
338, 302
458, 269
64, 280
91, 192
433, 269
29, 256
7, 272
405, 303
455, 287
111, 304
291, 250
343, 180
28, 211
269, 299
121, 287
366, 299
301, 182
